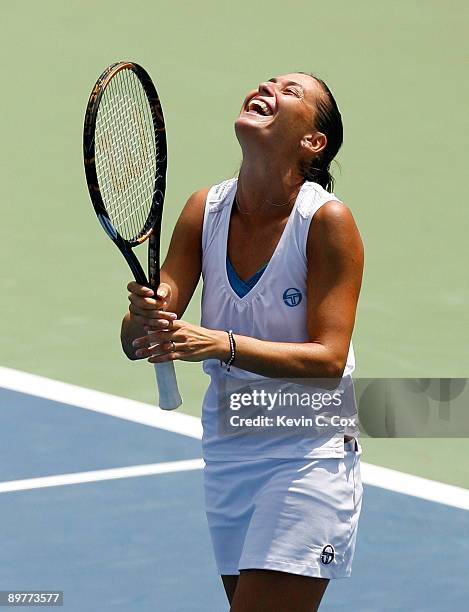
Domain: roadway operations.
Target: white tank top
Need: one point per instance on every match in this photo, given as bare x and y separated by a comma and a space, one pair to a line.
274, 309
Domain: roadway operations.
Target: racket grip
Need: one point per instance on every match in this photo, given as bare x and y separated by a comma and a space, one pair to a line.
170, 399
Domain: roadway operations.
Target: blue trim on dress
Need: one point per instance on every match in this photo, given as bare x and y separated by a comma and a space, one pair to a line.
239, 286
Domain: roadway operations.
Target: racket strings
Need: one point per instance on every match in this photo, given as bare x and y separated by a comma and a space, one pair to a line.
126, 160
132, 215
126, 154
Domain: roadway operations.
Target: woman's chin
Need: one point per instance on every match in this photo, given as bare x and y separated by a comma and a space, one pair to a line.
248, 125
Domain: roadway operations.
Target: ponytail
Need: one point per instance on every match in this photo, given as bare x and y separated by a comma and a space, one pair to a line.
328, 120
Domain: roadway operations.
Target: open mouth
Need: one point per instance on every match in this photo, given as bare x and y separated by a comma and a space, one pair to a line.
255, 106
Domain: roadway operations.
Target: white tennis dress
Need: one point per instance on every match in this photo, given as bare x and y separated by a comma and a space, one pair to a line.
288, 502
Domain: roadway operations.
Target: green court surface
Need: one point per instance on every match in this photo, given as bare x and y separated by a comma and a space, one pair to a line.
397, 70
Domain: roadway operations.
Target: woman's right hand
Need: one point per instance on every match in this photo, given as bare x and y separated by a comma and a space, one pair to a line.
146, 313
144, 306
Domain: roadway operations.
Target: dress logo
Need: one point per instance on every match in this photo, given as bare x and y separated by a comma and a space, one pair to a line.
327, 555
292, 297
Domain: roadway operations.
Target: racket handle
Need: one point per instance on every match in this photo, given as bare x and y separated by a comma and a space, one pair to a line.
170, 399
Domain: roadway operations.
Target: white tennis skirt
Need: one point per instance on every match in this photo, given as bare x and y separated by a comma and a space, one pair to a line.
298, 516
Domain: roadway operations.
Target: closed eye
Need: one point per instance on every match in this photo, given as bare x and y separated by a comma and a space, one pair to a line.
292, 92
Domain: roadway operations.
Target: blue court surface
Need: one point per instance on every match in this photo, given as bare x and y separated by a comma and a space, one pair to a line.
101, 498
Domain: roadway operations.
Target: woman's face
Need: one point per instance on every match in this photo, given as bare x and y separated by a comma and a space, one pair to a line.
280, 111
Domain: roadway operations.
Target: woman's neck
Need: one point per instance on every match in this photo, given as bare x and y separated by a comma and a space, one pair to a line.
267, 187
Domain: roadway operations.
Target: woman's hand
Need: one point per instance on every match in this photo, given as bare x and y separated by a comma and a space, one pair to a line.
170, 339
144, 310
144, 307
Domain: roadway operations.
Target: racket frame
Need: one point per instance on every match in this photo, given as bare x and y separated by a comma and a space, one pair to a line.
152, 227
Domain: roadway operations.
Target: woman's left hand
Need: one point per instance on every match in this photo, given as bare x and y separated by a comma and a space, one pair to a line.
177, 339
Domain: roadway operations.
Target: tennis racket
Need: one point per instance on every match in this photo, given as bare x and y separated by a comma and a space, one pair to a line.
124, 145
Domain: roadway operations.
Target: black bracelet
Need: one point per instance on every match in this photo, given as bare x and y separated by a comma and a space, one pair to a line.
230, 361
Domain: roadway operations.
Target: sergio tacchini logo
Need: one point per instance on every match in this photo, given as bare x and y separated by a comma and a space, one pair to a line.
292, 297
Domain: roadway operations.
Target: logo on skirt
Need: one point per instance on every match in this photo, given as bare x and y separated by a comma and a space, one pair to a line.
327, 554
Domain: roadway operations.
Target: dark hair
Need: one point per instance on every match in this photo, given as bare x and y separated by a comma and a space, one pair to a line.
329, 122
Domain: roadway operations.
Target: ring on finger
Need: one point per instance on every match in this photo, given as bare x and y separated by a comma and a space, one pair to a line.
173, 346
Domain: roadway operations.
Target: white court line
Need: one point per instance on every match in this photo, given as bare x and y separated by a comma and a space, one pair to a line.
188, 425
97, 475
89, 399
408, 484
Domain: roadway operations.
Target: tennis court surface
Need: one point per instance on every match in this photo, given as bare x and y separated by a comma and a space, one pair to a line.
101, 498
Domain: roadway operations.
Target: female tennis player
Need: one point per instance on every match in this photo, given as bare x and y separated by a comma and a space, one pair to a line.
281, 260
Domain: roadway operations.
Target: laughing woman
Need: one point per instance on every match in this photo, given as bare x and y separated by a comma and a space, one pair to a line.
282, 262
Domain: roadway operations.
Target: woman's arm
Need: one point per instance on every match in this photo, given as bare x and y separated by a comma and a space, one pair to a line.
179, 274
335, 267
